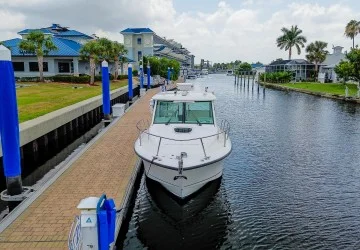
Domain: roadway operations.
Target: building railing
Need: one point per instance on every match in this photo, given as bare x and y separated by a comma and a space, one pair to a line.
223, 129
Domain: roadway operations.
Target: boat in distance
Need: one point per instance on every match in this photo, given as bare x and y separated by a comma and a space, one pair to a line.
183, 147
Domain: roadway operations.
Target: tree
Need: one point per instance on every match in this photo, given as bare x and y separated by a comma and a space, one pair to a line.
344, 70
351, 30
117, 50
290, 38
245, 67
316, 53
40, 45
350, 69
92, 51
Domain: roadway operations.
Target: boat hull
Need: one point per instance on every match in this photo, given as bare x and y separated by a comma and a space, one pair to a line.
186, 184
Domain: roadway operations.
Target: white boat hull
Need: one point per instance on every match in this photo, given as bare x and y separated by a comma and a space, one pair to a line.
182, 187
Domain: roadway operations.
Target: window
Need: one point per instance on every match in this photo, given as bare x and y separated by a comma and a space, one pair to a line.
64, 67
139, 41
34, 67
173, 112
18, 66
139, 56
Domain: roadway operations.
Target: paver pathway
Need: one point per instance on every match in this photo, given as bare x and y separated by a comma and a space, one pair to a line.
106, 167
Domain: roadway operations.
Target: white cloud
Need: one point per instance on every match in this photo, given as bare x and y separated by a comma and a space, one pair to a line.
247, 33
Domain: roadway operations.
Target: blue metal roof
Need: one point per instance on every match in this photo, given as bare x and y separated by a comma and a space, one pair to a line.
256, 65
65, 47
59, 32
137, 30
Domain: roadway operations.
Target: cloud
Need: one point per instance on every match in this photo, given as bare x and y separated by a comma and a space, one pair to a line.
247, 32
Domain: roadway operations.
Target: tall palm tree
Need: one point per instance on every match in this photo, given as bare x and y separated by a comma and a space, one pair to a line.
117, 50
352, 29
316, 53
92, 51
37, 43
290, 38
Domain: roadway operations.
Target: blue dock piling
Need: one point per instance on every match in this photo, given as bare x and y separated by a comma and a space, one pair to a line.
130, 85
148, 75
141, 77
9, 124
105, 89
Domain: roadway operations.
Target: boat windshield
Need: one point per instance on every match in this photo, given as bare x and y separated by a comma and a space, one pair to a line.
184, 112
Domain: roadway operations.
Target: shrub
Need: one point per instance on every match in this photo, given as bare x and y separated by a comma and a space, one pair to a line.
135, 72
122, 77
71, 79
276, 77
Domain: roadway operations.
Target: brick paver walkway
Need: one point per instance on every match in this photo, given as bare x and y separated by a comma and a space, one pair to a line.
106, 167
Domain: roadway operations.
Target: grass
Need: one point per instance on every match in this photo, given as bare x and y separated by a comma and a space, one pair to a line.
41, 98
330, 88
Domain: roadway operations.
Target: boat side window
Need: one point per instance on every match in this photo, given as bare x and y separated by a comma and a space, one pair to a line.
199, 112
168, 112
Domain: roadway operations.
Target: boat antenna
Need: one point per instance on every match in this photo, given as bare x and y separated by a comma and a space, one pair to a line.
206, 89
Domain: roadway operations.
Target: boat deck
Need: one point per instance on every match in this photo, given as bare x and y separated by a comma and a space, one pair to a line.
105, 167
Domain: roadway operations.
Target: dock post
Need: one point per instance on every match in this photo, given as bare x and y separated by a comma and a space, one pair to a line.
130, 85
141, 77
105, 90
248, 75
235, 77
9, 128
148, 75
168, 75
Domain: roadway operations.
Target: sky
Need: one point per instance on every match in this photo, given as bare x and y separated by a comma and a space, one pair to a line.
214, 30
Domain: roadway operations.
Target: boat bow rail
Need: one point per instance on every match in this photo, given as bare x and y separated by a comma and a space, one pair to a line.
223, 133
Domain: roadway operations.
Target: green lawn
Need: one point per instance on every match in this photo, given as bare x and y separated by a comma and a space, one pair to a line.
330, 88
42, 98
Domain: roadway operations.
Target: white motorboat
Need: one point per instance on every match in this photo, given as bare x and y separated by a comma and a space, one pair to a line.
183, 147
230, 73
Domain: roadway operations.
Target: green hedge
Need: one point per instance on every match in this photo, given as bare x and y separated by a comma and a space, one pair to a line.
122, 77
135, 72
276, 77
71, 79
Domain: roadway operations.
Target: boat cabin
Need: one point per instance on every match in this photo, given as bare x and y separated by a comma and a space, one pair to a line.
184, 107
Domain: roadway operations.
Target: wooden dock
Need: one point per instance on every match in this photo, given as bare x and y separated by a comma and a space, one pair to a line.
105, 167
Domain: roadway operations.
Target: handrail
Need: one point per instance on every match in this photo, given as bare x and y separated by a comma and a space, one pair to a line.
143, 126
225, 129
75, 238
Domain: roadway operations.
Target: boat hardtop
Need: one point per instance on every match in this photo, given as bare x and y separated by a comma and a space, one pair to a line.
184, 96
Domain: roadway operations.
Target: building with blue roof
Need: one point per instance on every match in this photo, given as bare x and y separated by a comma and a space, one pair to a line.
141, 42
65, 60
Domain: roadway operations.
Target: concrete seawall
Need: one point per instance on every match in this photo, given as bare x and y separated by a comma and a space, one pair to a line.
43, 138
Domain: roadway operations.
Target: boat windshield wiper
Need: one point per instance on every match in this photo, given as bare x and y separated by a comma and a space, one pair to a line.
197, 120
167, 123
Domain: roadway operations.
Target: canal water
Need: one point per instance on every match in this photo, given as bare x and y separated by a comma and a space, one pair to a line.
292, 180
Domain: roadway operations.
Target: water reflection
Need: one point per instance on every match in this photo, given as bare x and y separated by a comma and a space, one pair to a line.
164, 222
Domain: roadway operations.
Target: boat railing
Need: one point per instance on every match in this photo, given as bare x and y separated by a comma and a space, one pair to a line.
223, 131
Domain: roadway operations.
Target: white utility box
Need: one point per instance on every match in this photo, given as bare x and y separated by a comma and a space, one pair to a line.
118, 109
88, 222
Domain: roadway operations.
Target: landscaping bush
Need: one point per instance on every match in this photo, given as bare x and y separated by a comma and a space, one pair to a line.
71, 79
276, 77
98, 78
122, 77
135, 72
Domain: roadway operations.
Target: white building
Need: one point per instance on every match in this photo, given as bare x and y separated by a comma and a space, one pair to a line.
326, 70
144, 42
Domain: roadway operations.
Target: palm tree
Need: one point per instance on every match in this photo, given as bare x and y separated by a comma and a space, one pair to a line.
117, 50
92, 51
316, 53
352, 29
290, 38
37, 43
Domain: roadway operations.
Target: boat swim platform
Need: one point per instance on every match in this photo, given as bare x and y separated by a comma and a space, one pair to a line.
105, 166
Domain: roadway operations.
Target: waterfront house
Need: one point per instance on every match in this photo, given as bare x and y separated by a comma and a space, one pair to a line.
141, 42
326, 69
65, 60
300, 68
